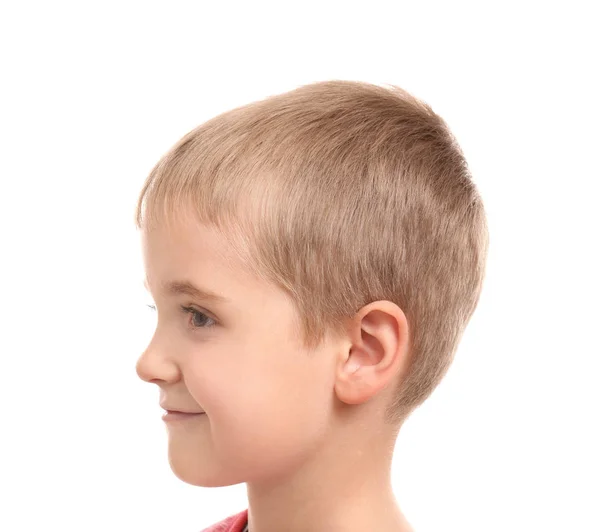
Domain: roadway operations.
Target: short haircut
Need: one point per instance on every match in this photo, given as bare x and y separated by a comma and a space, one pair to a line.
341, 193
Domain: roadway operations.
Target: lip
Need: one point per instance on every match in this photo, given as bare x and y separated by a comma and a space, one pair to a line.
173, 415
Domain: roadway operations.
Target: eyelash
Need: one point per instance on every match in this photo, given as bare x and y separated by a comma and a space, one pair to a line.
193, 312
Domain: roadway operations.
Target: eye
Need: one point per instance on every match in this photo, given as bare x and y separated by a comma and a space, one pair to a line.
198, 320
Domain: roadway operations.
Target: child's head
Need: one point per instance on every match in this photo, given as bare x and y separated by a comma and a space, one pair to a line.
340, 221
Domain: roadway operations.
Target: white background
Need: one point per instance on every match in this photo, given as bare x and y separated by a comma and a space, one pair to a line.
92, 94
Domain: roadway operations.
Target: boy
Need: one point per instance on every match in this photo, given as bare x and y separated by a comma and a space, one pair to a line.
314, 258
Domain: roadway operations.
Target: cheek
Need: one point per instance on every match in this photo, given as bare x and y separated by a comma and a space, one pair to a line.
261, 443
267, 408
274, 419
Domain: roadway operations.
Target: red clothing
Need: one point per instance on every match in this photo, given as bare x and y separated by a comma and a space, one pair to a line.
234, 523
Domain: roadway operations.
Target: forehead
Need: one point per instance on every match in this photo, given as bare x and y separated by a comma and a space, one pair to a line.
185, 240
190, 254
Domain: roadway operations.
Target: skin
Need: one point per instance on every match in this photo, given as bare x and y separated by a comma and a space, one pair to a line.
303, 430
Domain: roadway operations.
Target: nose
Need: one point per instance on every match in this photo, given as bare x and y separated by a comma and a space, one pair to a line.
154, 366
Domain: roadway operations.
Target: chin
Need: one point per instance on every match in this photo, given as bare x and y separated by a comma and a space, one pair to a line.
197, 472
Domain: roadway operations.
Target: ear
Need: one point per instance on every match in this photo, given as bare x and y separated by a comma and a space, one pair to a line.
377, 355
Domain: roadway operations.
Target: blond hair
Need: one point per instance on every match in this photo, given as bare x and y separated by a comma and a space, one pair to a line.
341, 193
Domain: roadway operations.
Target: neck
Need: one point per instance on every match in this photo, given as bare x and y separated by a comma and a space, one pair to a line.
345, 486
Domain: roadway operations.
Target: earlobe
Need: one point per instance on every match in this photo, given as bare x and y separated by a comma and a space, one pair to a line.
351, 387
358, 375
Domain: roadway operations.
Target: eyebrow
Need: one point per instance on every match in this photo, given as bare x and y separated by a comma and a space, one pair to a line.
188, 288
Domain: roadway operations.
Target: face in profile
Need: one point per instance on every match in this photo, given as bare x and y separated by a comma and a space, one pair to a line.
238, 359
